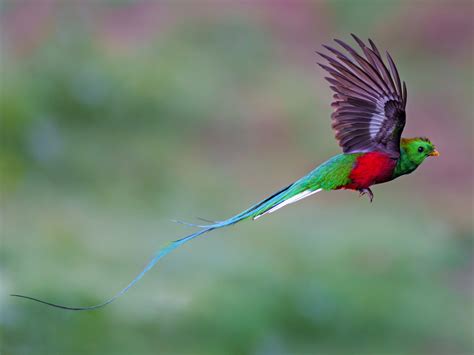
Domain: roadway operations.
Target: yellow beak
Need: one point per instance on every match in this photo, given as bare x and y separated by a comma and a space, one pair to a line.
434, 153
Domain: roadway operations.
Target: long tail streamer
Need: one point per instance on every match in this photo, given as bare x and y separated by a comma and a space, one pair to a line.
289, 194
152, 262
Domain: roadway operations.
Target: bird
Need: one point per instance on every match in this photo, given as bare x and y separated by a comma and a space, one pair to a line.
368, 118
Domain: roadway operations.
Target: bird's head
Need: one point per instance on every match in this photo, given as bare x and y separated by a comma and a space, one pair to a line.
417, 149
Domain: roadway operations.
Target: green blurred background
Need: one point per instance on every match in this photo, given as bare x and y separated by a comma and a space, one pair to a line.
118, 116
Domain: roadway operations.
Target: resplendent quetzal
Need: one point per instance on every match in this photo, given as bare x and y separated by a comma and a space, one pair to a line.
369, 116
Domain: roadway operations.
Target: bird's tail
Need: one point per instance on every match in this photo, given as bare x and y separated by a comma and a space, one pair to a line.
289, 194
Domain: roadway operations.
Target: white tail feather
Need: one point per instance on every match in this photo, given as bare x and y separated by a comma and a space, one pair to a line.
291, 200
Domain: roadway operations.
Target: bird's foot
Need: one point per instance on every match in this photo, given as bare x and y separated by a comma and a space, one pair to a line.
367, 191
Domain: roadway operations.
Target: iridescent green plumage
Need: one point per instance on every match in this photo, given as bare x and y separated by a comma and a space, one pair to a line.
411, 157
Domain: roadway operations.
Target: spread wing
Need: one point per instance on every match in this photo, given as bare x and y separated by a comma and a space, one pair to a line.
369, 105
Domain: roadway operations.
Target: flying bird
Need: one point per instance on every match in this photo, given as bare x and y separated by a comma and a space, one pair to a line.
369, 116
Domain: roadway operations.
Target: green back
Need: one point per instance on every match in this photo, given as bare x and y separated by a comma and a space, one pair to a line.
331, 174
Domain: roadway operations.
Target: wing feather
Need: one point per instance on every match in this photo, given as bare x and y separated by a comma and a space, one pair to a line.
369, 100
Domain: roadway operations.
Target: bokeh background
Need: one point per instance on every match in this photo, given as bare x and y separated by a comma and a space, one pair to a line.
119, 116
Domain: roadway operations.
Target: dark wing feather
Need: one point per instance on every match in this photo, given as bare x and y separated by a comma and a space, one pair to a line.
369, 101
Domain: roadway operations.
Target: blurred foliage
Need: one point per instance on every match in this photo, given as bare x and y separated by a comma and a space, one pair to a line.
119, 116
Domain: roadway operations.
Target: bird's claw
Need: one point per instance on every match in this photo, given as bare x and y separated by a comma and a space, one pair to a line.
367, 192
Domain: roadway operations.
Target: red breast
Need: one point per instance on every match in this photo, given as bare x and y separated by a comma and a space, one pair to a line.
371, 168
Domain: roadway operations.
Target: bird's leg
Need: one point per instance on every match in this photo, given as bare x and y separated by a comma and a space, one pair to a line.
367, 191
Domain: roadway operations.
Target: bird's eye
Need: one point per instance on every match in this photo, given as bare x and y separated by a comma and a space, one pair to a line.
421, 149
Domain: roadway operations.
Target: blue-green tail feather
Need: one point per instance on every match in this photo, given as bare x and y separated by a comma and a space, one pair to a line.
252, 212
